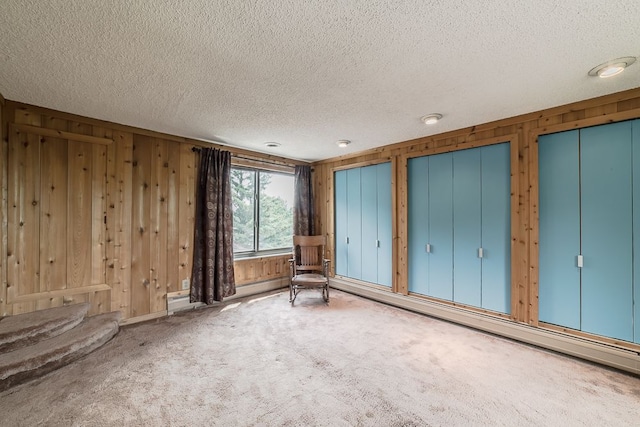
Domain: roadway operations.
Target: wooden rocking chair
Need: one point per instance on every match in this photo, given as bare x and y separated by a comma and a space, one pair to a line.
308, 267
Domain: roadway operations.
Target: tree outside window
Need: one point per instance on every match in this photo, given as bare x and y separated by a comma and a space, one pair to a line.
262, 211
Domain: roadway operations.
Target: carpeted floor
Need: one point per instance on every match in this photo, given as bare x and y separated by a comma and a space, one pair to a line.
352, 363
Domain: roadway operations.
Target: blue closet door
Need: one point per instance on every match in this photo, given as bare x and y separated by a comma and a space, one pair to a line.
340, 188
635, 135
385, 236
441, 226
496, 227
606, 203
354, 224
369, 197
466, 227
418, 223
559, 210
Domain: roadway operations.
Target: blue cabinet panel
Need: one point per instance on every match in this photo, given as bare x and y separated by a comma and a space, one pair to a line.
559, 207
354, 224
466, 227
635, 138
340, 185
418, 223
385, 236
607, 299
441, 226
369, 198
496, 227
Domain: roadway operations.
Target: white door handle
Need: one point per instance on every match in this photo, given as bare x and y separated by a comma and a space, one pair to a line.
427, 248
580, 261
480, 252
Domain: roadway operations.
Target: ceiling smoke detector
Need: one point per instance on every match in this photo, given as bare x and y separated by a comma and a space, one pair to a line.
612, 68
272, 144
431, 119
343, 143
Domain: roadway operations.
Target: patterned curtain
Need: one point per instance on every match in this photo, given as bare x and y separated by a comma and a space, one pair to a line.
212, 274
303, 202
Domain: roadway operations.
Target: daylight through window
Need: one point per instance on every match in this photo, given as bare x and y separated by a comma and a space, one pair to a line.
262, 211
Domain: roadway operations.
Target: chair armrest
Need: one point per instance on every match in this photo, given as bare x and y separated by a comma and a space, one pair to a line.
325, 266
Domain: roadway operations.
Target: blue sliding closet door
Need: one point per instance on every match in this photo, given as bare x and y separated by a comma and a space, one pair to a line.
635, 141
340, 186
441, 226
385, 236
496, 227
559, 207
466, 227
606, 203
354, 224
418, 224
369, 197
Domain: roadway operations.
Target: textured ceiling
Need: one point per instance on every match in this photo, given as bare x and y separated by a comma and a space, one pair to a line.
307, 73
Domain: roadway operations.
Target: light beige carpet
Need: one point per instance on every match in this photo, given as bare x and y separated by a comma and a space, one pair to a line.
352, 363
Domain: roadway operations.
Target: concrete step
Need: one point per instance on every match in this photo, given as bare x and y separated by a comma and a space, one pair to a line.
26, 329
30, 362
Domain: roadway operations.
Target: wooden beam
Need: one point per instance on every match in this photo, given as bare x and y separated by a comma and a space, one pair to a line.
60, 293
36, 130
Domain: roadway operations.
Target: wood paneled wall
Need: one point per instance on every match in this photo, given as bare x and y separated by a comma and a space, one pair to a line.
100, 212
522, 132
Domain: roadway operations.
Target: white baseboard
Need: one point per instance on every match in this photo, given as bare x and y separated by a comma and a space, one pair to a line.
616, 357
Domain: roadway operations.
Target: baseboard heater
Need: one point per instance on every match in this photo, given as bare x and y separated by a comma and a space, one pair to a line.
179, 301
619, 358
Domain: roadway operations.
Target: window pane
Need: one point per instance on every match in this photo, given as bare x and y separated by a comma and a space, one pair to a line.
276, 211
242, 190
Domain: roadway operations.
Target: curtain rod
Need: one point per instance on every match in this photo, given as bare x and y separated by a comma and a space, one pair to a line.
237, 156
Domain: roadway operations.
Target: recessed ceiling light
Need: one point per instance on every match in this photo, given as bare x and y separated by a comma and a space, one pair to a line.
612, 68
431, 119
343, 143
272, 144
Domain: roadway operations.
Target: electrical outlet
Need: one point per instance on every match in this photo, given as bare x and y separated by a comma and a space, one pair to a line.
185, 284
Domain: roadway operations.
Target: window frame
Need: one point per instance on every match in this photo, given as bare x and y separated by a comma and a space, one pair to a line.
256, 252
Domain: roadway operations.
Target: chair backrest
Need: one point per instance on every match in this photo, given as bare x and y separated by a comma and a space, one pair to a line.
308, 252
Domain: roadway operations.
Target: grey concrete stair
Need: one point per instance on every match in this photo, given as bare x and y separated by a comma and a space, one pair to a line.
40, 358
26, 329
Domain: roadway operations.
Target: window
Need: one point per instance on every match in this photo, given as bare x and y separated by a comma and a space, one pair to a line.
262, 211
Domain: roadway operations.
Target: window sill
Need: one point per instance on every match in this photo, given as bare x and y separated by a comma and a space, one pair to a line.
242, 258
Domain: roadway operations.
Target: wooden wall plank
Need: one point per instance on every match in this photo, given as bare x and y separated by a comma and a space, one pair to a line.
534, 230
79, 230
23, 256
173, 282
158, 225
53, 226
141, 226
28, 221
399, 281
99, 219
98, 214
401, 212
100, 302
120, 206
186, 210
